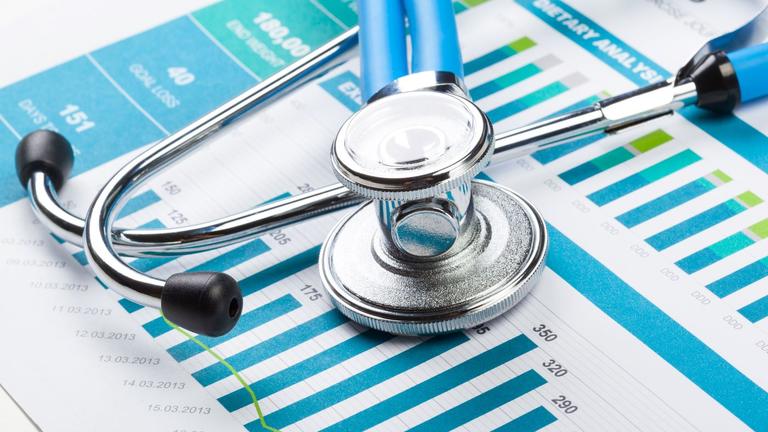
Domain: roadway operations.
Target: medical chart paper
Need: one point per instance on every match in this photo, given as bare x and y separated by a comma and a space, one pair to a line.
651, 315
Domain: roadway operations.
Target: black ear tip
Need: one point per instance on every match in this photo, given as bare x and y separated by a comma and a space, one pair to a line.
47, 151
206, 302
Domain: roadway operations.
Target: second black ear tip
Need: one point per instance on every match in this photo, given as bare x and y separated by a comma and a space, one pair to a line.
47, 151
208, 303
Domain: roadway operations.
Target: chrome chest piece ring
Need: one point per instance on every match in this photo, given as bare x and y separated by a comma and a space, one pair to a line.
433, 251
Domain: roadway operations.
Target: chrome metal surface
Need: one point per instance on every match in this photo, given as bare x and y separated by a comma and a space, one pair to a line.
608, 116
492, 268
412, 145
440, 81
105, 261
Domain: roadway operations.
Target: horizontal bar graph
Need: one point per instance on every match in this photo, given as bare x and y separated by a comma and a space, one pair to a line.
368, 378
725, 247
139, 202
551, 154
703, 220
483, 404
643, 178
739, 279
500, 54
513, 77
247, 321
446, 381
673, 199
615, 157
536, 97
302, 370
272, 347
533, 420
756, 311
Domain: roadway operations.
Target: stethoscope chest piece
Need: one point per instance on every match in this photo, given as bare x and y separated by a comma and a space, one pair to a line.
493, 266
433, 251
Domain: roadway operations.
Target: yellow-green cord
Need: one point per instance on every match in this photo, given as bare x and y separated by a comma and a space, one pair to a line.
231, 369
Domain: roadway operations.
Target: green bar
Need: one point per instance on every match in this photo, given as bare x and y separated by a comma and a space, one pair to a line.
668, 166
473, 3
522, 44
723, 177
650, 141
760, 229
612, 158
731, 244
749, 199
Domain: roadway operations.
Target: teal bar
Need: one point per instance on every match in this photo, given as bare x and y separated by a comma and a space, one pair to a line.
280, 271
249, 321
271, 347
362, 381
507, 80
756, 311
531, 99
307, 368
441, 383
531, 421
483, 404
139, 202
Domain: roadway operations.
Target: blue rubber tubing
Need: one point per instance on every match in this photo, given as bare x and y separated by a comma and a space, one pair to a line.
383, 56
434, 38
751, 67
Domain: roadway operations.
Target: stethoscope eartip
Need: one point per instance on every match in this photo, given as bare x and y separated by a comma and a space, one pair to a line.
207, 303
46, 151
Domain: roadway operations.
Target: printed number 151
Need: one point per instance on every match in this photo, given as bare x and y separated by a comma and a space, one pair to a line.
74, 116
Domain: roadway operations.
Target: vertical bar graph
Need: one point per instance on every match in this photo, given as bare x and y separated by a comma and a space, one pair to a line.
615, 157
703, 220
513, 77
672, 199
536, 97
247, 321
531, 421
307, 368
271, 347
739, 279
725, 247
645, 177
756, 311
483, 404
442, 383
368, 378
500, 54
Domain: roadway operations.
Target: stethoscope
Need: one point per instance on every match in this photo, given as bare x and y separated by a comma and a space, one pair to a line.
429, 249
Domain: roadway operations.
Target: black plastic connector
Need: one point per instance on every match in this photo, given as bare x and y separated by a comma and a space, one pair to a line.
208, 303
46, 151
717, 87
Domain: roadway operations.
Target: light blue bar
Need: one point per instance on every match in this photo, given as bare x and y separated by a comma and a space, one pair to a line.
280, 271
440, 383
247, 322
659, 332
523, 103
756, 311
80, 257
271, 347
483, 404
737, 280
665, 203
129, 306
234, 257
139, 202
366, 379
531, 421
695, 224
307, 368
